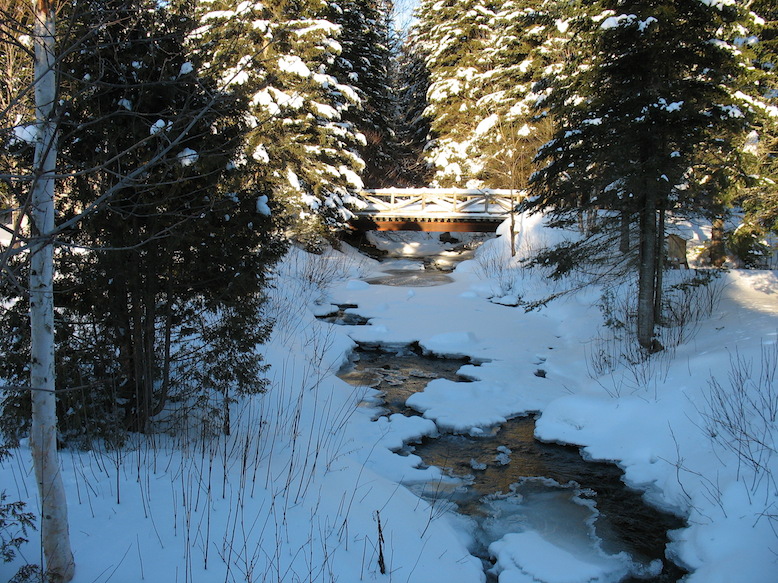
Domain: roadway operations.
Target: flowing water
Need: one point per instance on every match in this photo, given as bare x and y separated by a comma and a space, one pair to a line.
504, 480
507, 481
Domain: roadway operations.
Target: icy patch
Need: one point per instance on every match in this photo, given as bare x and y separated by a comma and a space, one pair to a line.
528, 557
503, 455
476, 465
544, 534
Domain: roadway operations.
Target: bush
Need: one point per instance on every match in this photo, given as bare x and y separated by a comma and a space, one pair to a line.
14, 524
747, 244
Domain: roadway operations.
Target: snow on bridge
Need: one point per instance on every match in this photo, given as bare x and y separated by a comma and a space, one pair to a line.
435, 209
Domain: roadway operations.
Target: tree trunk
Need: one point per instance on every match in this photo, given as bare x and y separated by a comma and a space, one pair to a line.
624, 233
647, 271
717, 251
55, 537
660, 267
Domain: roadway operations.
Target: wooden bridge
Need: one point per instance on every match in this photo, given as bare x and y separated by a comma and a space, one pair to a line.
435, 209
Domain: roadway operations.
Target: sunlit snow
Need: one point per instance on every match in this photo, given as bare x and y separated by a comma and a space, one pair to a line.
298, 489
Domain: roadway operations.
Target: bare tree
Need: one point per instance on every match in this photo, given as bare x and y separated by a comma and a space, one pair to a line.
509, 158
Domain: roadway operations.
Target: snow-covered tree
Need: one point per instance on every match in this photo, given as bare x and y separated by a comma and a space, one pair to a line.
760, 200
412, 125
366, 60
488, 65
453, 36
161, 247
526, 54
283, 58
648, 113
177, 254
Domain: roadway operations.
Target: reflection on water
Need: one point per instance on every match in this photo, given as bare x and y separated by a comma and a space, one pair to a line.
507, 481
511, 460
409, 278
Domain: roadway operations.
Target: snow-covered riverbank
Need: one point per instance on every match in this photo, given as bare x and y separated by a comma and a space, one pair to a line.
307, 487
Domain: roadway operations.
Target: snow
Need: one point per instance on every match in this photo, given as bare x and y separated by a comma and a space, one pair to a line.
260, 154
324, 110
627, 20
318, 26
187, 157
27, 133
297, 492
186, 68
487, 124
718, 4
294, 65
262, 206
160, 126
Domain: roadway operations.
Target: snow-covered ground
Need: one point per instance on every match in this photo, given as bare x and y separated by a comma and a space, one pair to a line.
308, 487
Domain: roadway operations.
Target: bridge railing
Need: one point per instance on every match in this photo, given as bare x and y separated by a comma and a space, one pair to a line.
449, 202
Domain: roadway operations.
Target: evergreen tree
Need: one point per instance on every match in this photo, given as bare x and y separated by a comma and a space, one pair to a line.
163, 251
648, 113
489, 64
453, 36
367, 61
509, 128
760, 201
413, 126
282, 57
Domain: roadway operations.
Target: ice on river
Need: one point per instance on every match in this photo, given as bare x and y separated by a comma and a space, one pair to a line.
547, 535
527, 557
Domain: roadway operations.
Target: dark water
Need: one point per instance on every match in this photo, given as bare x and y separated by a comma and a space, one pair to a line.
343, 317
507, 472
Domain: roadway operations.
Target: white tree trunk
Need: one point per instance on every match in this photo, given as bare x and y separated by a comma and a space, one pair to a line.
55, 537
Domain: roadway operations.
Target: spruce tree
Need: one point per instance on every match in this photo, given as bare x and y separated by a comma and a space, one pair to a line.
760, 200
163, 250
368, 42
413, 126
453, 36
648, 101
283, 58
509, 127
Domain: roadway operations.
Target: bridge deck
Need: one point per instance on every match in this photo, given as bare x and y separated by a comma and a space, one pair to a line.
437, 209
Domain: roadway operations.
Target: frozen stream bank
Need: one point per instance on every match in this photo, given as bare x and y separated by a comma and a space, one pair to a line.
654, 417
528, 507
505, 483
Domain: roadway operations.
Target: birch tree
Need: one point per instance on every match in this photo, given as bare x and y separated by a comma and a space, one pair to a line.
60, 565
118, 160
